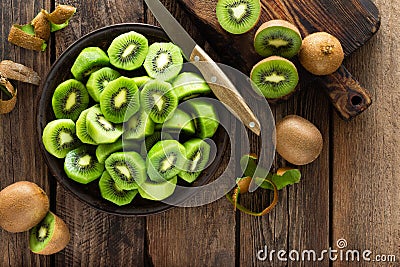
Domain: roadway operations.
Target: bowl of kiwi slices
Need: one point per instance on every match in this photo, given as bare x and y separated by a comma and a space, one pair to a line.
122, 123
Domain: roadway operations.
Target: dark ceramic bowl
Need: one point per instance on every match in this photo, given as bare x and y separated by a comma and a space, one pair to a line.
60, 72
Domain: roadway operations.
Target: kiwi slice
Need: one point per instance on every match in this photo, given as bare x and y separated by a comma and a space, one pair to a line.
50, 236
138, 126
157, 191
69, 99
141, 81
205, 117
59, 137
238, 16
165, 160
197, 155
128, 50
88, 61
158, 100
277, 38
275, 77
81, 130
189, 85
120, 100
179, 121
82, 166
98, 80
151, 140
164, 61
100, 129
110, 191
127, 169
103, 151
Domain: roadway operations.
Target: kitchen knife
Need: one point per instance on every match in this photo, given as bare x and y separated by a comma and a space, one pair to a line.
219, 83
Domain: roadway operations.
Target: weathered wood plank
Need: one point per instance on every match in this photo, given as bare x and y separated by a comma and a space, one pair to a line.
18, 140
98, 239
366, 173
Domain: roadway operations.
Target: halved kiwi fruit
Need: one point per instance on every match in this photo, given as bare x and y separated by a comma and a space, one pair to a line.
179, 121
127, 169
69, 99
100, 129
50, 236
110, 191
275, 77
81, 130
197, 156
205, 117
120, 100
59, 137
277, 38
128, 50
238, 16
103, 151
163, 61
88, 61
165, 160
157, 191
158, 100
189, 85
141, 81
138, 126
82, 166
98, 80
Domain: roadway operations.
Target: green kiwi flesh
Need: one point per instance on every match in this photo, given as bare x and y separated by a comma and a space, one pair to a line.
128, 50
158, 100
197, 156
82, 166
88, 61
157, 191
127, 169
138, 126
59, 137
151, 140
205, 117
81, 131
100, 129
238, 16
98, 80
110, 191
120, 100
179, 121
103, 151
189, 85
70, 98
275, 77
141, 81
165, 160
163, 61
277, 38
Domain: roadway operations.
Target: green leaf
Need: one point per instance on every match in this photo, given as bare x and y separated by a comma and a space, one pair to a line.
290, 177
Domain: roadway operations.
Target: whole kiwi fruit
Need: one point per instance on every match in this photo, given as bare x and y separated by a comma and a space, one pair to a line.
22, 206
298, 140
321, 53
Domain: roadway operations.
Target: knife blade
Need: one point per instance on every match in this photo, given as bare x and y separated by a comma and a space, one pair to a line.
219, 83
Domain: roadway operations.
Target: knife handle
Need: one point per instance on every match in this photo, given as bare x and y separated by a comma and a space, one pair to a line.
224, 89
345, 93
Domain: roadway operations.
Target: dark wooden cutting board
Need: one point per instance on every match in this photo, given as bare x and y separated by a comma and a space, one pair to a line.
353, 22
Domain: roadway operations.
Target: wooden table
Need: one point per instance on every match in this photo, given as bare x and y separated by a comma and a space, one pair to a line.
350, 192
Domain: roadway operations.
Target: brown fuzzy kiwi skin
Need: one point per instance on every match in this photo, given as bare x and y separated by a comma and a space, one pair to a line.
59, 240
298, 141
61, 14
283, 98
22, 206
41, 26
279, 23
321, 53
24, 40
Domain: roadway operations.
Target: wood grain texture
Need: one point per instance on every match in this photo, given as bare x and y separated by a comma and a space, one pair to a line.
18, 140
366, 173
98, 239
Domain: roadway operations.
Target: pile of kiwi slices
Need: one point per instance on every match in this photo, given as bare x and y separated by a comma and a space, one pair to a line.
123, 130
